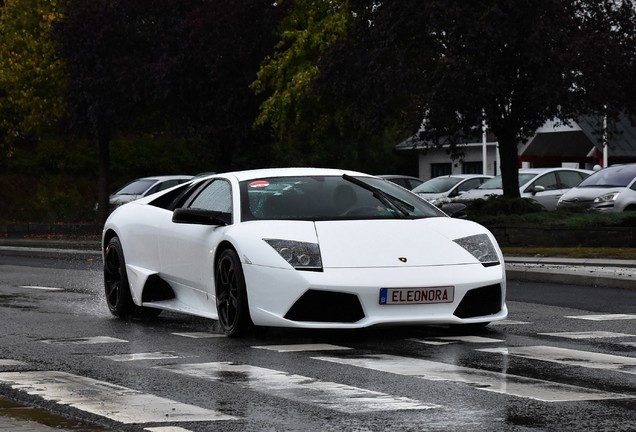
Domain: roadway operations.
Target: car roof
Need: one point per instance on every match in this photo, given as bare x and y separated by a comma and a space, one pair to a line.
287, 172
166, 177
544, 170
464, 176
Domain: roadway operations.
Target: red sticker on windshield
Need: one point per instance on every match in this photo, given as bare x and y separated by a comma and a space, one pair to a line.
259, 184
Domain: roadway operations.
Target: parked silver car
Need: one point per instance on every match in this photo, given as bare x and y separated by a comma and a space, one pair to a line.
449, 186
145, 186
544, 185
612, 189
407, 182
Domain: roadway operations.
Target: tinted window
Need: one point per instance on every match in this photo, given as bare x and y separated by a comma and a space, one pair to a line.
328, 198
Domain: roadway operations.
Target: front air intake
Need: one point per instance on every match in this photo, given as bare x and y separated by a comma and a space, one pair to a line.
480, 302
326, 306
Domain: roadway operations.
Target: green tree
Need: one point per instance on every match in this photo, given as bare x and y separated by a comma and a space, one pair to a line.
32, 79
446, 65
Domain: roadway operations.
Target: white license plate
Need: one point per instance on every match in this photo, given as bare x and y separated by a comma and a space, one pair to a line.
427, 295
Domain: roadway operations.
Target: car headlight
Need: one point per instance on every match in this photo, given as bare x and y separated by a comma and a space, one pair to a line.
607, 198
301, 255
481, 248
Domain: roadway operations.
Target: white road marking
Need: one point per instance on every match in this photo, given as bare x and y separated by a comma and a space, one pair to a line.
199, 335
453, 339
84, 341
507, 322
167, 429
330, 395
9, 362
480, 379
608, 317
631, 344
430, 342
108, 400
302, 347
570, 357
144, 356
43, 288
588, 335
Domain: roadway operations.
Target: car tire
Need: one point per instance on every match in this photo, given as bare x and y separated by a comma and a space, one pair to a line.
231, 295
117, 288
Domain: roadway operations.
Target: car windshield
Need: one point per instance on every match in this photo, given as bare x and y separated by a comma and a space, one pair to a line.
496, 182
330, 198
136, 187
617, 176
437, 185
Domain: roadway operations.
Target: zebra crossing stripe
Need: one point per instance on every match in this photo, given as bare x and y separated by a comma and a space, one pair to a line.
503, 383
108, 400
443, 340
302, 347
200, 335
9, 362
588, 335
41, 288
330, 395
144, 356
570, 357
167, 429
608, 317
84, 341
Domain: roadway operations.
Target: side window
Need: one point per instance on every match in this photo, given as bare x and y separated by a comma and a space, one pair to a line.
154, 189
570, 179
469, 184
168, 184
548, 181
217, 196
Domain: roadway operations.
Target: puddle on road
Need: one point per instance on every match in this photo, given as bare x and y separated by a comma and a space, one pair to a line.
25, 413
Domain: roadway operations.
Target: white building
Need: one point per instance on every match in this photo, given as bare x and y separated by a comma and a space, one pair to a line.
579, 144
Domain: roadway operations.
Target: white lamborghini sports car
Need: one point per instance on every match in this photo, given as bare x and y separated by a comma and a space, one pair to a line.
300, 247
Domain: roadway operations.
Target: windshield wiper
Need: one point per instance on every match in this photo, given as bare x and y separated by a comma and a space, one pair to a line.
387, 199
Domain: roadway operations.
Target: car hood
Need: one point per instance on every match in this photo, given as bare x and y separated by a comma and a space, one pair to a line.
431, 196
588, 194
478, 193
394, 243
122, 199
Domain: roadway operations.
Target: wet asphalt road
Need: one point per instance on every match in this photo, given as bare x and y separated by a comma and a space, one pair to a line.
564, 360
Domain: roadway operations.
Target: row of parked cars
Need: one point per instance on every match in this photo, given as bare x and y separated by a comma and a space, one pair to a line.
612, 189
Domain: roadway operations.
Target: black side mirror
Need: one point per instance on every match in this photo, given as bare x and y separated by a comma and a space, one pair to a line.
201, 217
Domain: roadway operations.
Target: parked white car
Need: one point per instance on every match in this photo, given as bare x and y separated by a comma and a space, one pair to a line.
544, 185
612, 189
449, 186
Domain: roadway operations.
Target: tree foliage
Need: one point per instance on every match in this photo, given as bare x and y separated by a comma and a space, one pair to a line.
32, 79
443, 66
167, 67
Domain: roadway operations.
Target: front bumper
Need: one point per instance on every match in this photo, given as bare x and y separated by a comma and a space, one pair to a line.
349, 297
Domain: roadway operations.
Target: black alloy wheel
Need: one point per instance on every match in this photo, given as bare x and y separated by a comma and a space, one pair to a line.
118, 296
231, 295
